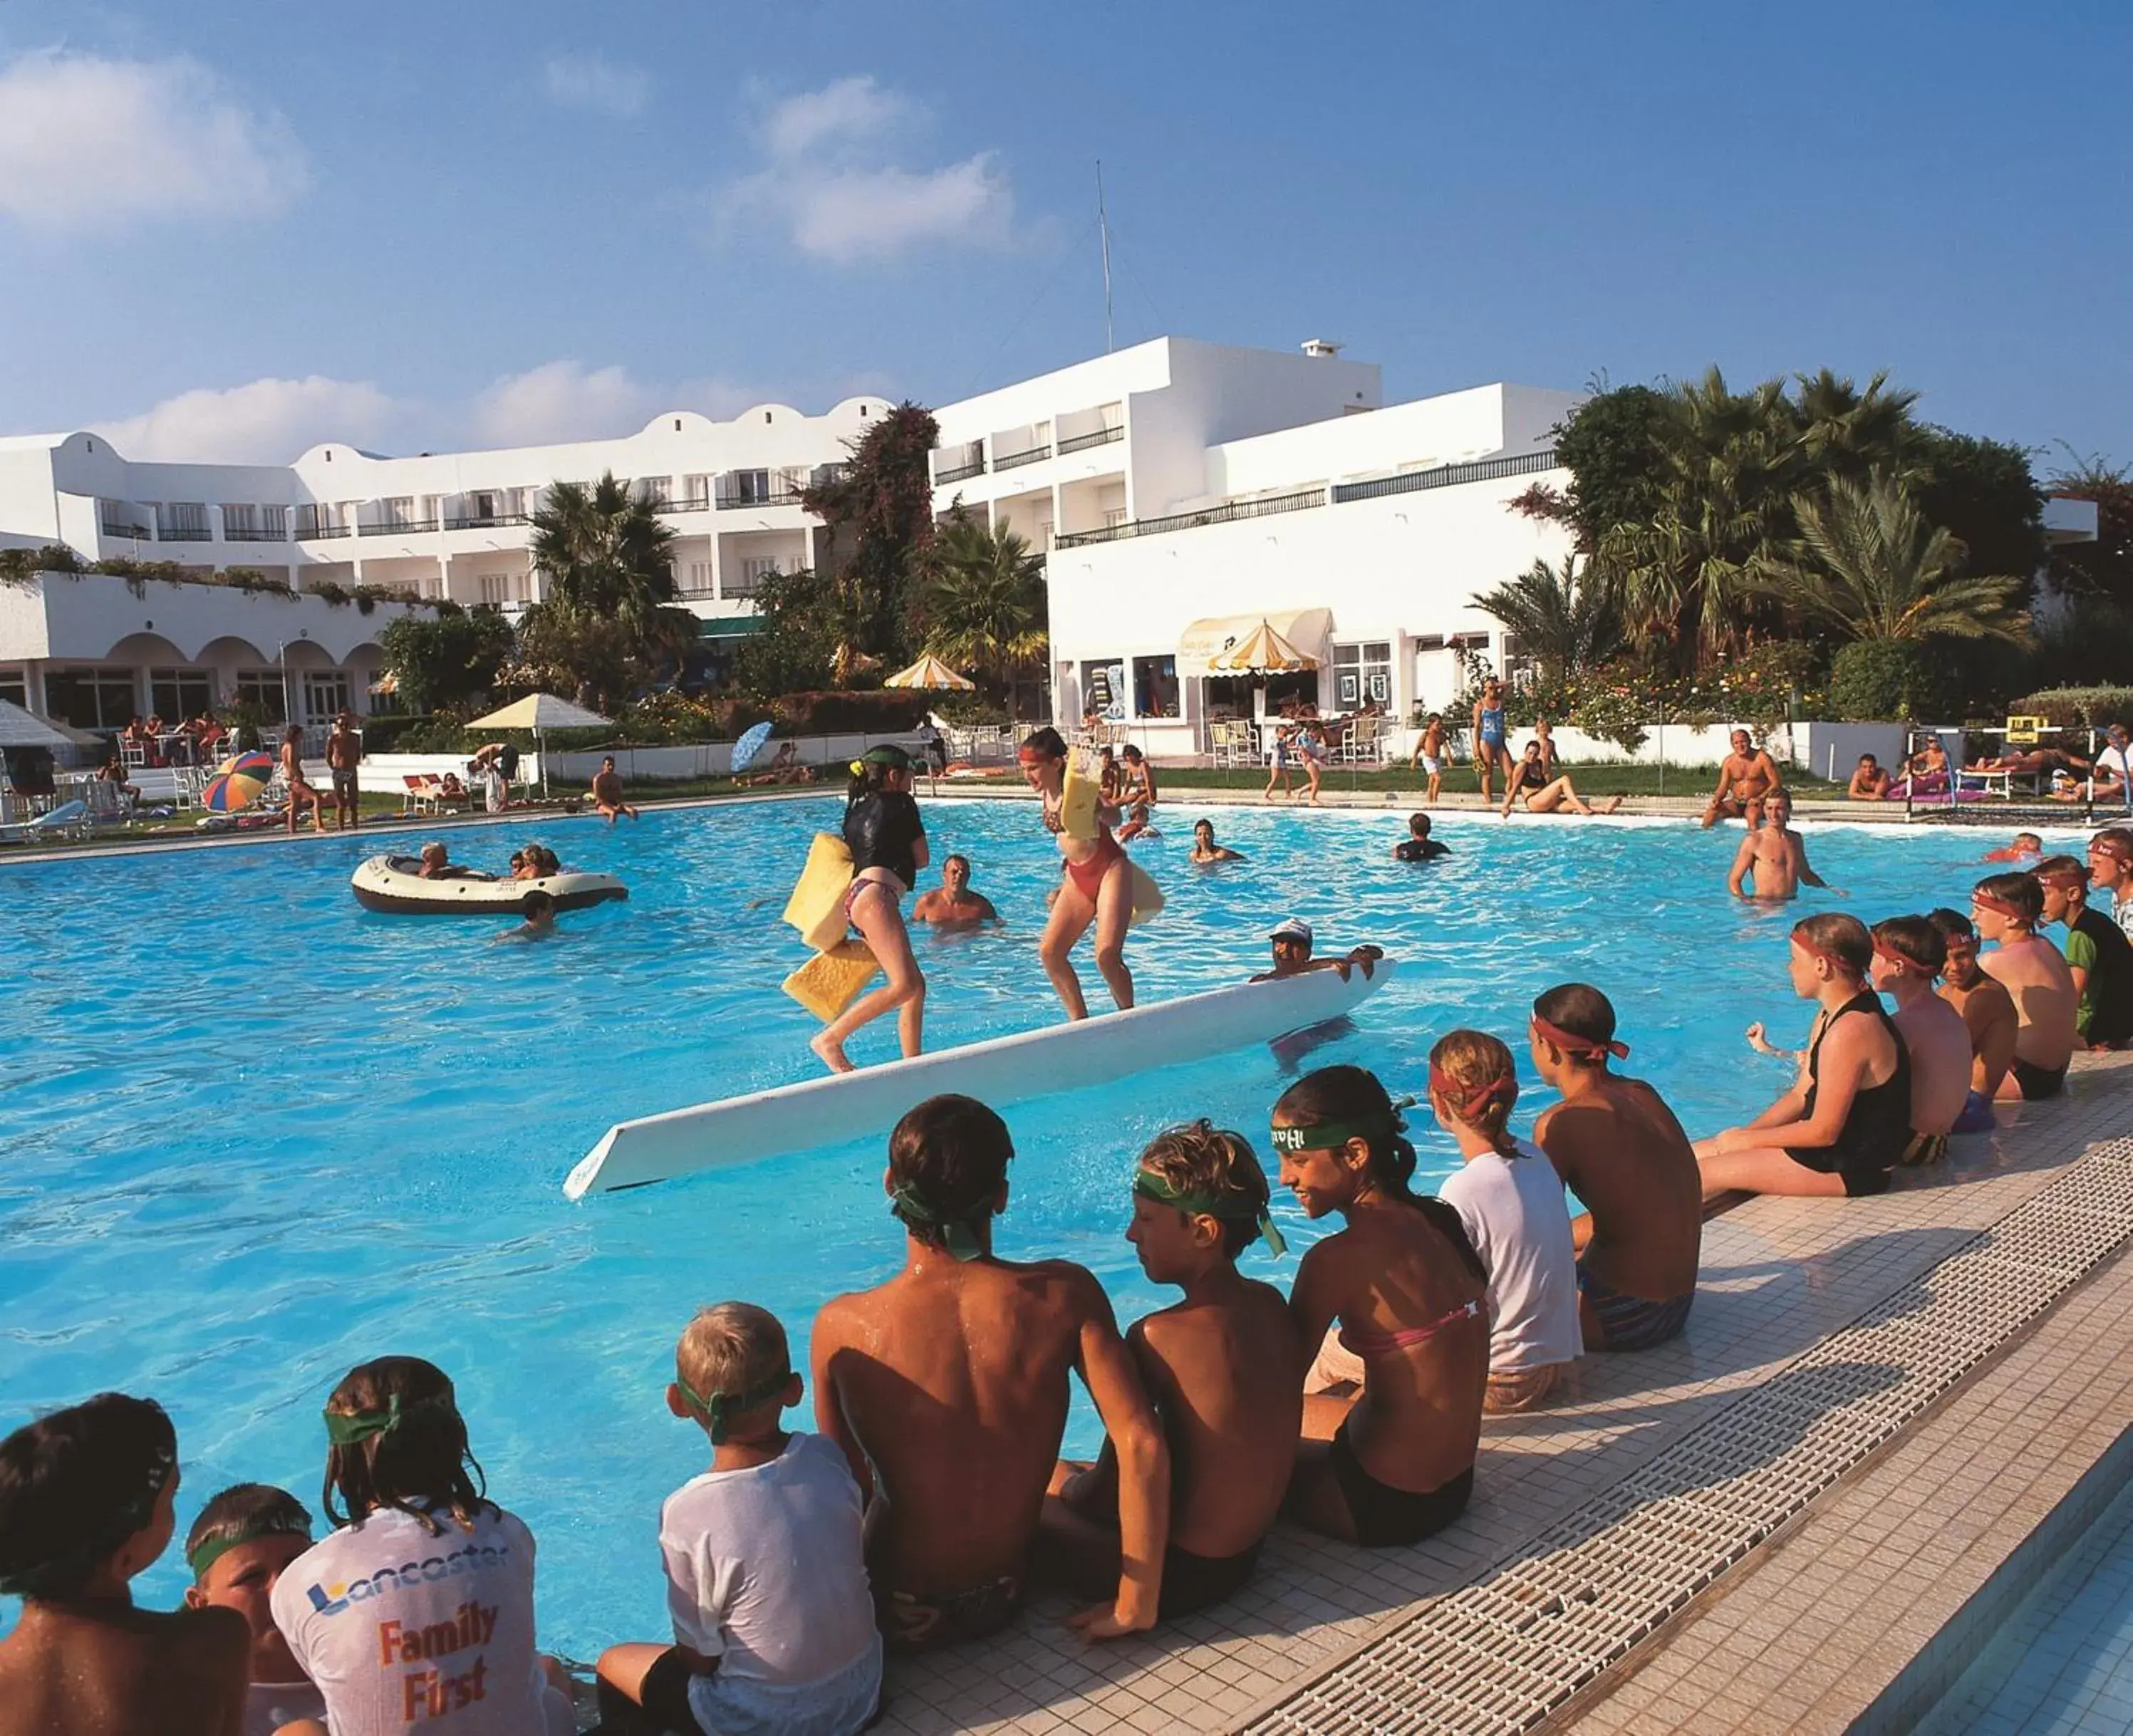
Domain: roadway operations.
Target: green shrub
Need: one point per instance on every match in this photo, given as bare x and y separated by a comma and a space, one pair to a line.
2065, 705
1881, 681
882, 712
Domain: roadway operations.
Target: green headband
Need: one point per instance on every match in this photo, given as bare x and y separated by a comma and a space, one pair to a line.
347, 1428
212, 1550
719, 1407
1225, 1208
1330, 1135
959, 1230
888, 754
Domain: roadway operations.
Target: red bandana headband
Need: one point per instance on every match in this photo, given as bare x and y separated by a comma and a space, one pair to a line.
1889, 956
1027, 756
1590, 1048
1467, 1103
2062, 877
1999, 907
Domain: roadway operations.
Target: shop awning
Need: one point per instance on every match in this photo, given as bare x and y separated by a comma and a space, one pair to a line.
728, 626
1199, 644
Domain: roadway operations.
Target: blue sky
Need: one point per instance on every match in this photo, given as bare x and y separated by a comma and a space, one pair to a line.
229, 229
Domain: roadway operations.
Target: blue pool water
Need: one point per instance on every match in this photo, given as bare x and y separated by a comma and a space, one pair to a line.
253, 1135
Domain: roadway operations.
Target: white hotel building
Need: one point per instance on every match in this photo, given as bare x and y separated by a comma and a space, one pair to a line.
1181, 492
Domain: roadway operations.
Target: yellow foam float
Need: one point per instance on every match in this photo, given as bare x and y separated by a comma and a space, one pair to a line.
816, 908
832, 980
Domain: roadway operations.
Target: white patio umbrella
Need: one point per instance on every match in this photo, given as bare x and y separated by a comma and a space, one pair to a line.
21, 729
540, 712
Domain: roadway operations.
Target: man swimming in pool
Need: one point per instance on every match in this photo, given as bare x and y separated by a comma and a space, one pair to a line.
952, 904
2025, 847
1205, 850
1747, 779
948, 1388
1292, 954
1775, 854
1418, 846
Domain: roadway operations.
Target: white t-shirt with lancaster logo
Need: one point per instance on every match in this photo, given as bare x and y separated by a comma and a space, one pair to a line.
406, 1628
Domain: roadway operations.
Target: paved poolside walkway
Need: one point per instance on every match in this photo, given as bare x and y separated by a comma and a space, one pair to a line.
1822, 1331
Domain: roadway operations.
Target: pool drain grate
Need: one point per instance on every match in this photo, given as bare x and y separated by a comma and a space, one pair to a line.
1498, 1656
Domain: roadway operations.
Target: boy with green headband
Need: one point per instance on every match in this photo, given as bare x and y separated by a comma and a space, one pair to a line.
773, 1626
237, 1550
1223, 1367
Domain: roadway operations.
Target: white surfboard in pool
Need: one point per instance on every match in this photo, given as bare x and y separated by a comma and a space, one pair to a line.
1001, 1071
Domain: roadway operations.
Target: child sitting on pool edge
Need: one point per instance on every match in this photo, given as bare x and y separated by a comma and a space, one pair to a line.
237, 1549
1223, 1368
774, 1622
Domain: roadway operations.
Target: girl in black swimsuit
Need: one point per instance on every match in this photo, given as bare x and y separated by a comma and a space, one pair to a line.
887, 842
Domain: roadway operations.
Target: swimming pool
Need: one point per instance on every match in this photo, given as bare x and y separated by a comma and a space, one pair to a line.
255, 1135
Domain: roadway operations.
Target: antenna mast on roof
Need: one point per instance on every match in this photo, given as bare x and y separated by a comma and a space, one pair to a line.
1103, 231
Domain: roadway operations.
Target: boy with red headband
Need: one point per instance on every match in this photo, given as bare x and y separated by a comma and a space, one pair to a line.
2006, 909
2110, 867
2099, 957
1846, 1121
1618, 1147
1908, 953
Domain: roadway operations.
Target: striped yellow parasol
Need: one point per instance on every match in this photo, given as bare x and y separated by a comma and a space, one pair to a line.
1264, 651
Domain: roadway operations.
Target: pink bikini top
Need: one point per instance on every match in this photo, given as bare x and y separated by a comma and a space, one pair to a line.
1360, 1341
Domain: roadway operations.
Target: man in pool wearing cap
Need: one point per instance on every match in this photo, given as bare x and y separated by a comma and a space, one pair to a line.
1292, 954
947, 1388
1225, 1371
1619, 1149
2006, 909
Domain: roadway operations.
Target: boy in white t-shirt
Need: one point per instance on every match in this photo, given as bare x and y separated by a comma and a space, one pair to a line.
765, 1576
237, 1549
1510, 1199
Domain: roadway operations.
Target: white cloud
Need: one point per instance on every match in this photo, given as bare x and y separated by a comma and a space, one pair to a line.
85, 142
266, 422
831, 181
586, 81
562, 400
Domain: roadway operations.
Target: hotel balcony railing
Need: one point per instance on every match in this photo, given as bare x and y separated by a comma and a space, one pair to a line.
396, 527
137, 533
1444, 476
320, 532
1234, 510
776, 498
254, 533
483, 520
1096, 437
184, 533
1015, 460
687, 503
962, 472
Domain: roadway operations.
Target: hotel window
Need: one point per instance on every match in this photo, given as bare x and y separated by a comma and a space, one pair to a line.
754, 569
1155, 686
1361, 673
274, 524
91, 698
697, 489
174, 695
749, 488
397, 513
1114, 517
263, 691
499, 589
14, 688
183, 521
700, 579
655, 491
240, 524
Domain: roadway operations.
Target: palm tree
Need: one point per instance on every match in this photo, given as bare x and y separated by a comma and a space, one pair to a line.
985, 601
1869, 565
1564, 620
1845, 432
605, 551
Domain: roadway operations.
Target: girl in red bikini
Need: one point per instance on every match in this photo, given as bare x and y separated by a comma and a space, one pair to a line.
1098, 887
1389, 1459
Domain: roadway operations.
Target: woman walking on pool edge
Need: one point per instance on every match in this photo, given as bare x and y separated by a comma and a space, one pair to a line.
887, 842
1098, 887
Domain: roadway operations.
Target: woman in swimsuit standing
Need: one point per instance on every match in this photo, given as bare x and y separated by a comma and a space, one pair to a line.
887, 842
301, 794
1488, 731
1098, 887
1392, 1462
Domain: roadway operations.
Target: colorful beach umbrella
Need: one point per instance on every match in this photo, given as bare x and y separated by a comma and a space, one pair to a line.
750, 744
929, 672
239, 782
1265, 653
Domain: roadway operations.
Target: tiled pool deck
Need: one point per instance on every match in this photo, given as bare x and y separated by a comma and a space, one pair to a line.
1756, 1527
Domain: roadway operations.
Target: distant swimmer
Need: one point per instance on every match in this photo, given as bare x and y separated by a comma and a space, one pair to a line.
1205, 850
2025, 847
1430, 754
539, 910
1530, 783
1418, 846
1775, 855
1748, 778
952, 904
1291, 942
1137, 794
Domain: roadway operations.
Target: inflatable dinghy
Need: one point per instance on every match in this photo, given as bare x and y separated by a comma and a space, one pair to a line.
395, 883
1001, 1071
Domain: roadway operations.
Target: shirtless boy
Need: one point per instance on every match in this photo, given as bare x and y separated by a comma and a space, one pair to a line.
2096, 953
1619, 1150
87, 1502
344, 754
1748, 778
947, 1387
952, 904
1869, 780
1225, 1369
1775, 854
1429, 754
1204, 847
1418, 846
1988, 1014
2007, 909
606, 793
1908, 953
